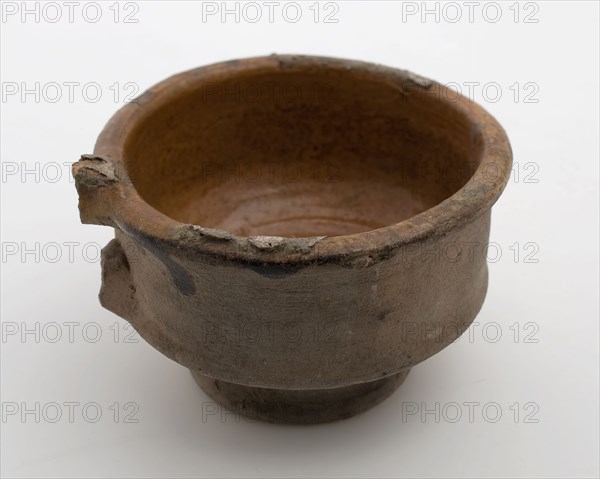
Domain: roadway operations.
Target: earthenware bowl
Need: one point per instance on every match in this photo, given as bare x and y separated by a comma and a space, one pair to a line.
297, 231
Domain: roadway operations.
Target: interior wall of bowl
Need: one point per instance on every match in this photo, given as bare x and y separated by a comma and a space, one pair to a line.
301, 153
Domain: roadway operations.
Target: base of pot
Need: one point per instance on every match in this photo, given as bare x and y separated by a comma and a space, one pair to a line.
293, 406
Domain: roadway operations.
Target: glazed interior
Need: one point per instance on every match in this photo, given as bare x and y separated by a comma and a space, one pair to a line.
305, 152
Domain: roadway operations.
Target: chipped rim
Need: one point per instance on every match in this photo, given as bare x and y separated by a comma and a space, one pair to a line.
133, 215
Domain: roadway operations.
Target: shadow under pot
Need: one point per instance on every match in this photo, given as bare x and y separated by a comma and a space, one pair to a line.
297, 231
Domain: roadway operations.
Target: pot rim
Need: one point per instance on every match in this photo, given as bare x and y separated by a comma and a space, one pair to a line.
132, 214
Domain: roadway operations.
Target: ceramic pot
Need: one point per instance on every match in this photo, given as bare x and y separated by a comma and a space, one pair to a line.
297, 231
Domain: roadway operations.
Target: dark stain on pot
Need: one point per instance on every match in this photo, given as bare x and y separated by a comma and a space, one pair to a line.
182, 279
274, 271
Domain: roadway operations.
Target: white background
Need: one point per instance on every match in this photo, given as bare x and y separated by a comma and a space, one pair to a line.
544, 286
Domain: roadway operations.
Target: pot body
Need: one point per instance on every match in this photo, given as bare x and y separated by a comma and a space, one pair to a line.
318, 326
307, 329
304, 340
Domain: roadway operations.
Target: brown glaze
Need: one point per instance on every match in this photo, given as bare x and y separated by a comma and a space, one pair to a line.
299, 152
303, 199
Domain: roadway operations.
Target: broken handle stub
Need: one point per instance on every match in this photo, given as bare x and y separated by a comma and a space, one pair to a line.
117, 293
95, 178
